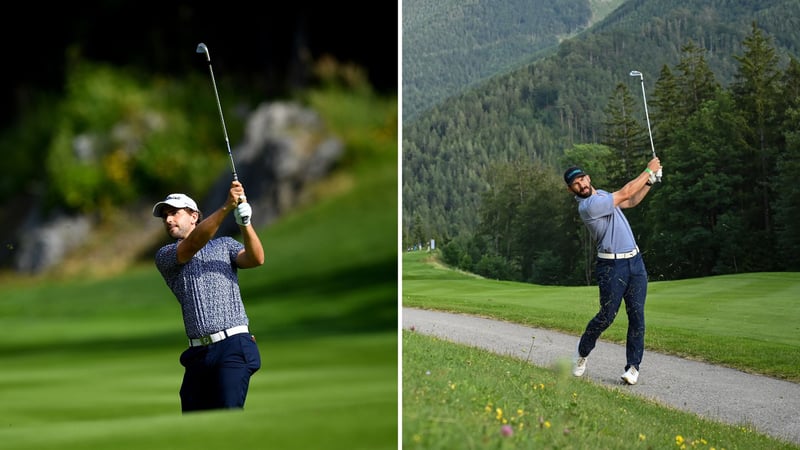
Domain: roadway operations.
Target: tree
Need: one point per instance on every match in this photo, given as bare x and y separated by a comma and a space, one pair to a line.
756, 92
787, 195
624, 134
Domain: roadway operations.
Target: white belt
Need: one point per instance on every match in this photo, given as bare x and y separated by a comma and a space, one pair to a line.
630, 254
216, 337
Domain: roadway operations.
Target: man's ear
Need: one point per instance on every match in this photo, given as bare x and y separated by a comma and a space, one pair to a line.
195, 216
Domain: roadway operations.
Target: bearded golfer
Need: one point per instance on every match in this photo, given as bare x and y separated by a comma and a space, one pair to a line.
620, 269
202, 273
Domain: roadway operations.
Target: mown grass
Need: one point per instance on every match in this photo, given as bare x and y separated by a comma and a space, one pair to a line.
462, 398
93, 362
750, 322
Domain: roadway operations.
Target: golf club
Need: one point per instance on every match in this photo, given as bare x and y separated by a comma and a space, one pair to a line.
636, 73
202, 48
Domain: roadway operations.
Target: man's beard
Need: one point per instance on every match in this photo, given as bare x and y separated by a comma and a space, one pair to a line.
587, 194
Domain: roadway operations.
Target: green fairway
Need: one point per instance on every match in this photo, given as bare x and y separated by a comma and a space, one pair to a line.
747, 321
93, 363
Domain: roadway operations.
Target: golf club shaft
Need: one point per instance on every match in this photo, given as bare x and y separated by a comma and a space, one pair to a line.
636, 73
647, 116
202, 48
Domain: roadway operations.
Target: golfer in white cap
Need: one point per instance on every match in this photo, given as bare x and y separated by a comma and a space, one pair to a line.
202, 273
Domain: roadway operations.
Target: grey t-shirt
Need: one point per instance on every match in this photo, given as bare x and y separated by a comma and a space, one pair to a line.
207, 286
606, 223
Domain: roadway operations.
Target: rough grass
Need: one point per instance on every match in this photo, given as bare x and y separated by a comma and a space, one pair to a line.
462, 398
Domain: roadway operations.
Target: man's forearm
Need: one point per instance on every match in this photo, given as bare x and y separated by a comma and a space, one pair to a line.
254, 252
202, 233
635, 190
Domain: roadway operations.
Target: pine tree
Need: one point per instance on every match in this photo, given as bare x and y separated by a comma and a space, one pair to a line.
625, 135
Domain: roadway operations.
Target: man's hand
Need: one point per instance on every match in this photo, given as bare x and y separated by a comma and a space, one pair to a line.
235, 195
243, 213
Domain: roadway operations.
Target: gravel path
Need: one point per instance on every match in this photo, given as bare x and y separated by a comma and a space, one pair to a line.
725, 395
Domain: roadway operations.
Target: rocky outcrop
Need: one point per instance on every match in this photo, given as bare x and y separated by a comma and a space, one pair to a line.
285, 148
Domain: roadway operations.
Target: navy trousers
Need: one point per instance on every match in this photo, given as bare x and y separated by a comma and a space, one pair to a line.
619, 279
217, 376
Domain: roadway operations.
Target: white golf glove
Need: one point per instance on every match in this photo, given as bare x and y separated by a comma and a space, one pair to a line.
242, 214
653, 179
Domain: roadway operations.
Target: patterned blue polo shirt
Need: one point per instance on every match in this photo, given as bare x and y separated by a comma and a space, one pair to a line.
606, 223
207, 286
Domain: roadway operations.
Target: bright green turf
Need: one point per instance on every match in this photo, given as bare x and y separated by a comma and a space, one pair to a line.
93, 363
747, 321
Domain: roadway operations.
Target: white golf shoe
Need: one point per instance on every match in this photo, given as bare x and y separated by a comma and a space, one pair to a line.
579, 364
631, 376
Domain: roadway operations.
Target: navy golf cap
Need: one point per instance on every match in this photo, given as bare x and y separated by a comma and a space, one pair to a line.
572, 173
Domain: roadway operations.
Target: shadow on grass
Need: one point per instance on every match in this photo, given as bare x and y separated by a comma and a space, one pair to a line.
361, 299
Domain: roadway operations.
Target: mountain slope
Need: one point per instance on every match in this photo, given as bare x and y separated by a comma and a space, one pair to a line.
545, 107
449, 45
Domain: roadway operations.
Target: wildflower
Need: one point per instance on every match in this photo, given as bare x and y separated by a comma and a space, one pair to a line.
498, 413
488, 408
427, 372
506, 430
543, 423
452, 386
642, 437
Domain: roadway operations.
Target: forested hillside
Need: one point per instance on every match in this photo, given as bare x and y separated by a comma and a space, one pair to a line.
450, 44
481, 171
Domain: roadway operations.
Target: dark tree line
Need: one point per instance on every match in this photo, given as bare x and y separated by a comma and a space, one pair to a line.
559, 100
728, 202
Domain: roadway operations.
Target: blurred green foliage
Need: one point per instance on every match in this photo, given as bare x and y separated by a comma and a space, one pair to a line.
117, 135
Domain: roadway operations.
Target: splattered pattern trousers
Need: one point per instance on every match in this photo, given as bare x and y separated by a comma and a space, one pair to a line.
619, 279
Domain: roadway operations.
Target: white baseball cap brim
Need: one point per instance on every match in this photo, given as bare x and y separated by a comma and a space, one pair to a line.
176, 201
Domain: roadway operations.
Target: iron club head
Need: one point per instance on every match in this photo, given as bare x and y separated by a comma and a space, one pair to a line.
634, 73
201, 48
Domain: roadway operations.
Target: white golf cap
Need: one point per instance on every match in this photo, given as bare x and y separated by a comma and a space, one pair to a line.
176, 201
